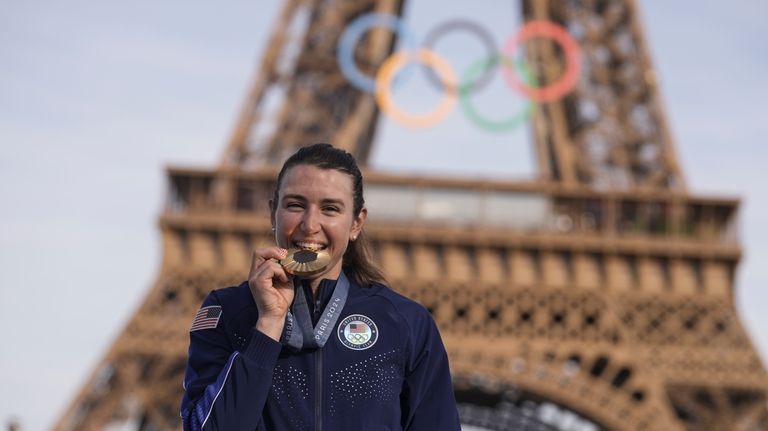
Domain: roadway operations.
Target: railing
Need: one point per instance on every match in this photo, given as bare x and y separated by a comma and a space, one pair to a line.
525, 207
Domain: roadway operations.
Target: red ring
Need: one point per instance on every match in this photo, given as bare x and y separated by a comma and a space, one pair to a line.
566, 82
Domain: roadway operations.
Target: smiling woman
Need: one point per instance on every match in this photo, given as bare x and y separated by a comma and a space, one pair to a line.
334, 348
333, 177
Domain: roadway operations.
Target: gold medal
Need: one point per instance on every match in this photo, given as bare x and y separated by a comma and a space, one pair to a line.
303, 263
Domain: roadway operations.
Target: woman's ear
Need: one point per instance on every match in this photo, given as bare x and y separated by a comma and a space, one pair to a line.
357, 224
272, 213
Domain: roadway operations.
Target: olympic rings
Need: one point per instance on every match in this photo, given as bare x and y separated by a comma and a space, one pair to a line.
476, 77
569, 77
390, 68
495, 126
353, 33
357, 338
472, 27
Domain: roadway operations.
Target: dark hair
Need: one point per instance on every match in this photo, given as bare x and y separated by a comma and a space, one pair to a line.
357, 259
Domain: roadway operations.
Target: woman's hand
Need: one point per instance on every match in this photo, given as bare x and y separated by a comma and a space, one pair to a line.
272, 290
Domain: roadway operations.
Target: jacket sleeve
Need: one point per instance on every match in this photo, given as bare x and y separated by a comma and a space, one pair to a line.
226, 389
427, 400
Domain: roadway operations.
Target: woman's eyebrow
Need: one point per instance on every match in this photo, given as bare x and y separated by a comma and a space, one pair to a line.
325, 201
295, 196
330, 201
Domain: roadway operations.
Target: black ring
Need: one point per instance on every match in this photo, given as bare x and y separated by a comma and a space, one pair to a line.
485, 37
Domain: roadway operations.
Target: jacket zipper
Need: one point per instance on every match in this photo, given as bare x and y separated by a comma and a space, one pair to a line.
318, 373
319, 389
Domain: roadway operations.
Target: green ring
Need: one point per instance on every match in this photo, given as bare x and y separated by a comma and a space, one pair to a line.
469, 110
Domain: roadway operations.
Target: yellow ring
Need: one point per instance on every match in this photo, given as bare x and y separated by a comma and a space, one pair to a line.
389, 69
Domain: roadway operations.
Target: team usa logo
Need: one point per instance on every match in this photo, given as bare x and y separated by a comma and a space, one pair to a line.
358, 332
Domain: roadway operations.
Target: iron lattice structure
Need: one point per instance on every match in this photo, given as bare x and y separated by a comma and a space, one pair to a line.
599, 296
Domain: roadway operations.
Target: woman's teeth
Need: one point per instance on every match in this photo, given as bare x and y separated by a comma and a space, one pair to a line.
309, 246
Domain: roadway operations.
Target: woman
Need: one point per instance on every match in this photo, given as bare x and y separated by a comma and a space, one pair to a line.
337, 350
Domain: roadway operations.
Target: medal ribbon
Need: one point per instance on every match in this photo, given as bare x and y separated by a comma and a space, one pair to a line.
298, 332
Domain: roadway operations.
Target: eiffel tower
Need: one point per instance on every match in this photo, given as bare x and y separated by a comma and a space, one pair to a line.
598, 297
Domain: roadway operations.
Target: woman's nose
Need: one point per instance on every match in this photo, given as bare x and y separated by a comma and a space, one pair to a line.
310, 223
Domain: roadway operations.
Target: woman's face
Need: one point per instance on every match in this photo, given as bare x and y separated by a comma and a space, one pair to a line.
315, 211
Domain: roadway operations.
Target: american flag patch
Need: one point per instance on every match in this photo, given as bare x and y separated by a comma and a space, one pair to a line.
206, 318
357, 328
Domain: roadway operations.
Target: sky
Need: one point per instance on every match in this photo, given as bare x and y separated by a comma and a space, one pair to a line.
97, 98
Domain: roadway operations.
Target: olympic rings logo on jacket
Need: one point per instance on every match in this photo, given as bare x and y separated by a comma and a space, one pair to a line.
440, 72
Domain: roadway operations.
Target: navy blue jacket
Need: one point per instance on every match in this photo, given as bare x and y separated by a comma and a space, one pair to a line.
237, 378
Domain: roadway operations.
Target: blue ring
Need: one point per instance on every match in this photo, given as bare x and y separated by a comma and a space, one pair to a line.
353, 33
